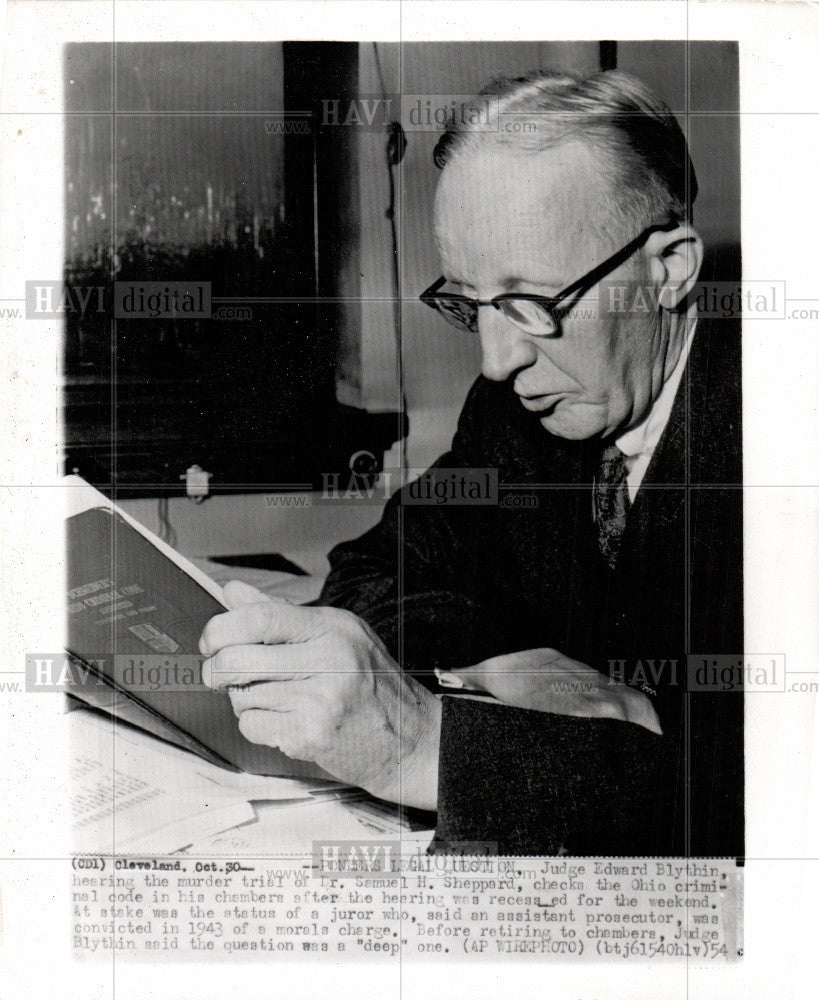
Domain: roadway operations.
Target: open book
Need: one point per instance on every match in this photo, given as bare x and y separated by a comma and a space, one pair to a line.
136, 610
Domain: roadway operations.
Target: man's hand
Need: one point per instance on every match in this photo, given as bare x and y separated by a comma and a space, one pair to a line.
320, 685
547, 681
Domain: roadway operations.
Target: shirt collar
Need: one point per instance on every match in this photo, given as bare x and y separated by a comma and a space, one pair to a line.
644, 437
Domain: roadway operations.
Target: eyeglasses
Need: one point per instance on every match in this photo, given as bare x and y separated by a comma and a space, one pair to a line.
536, 315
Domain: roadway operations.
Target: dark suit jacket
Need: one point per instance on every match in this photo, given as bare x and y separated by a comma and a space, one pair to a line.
447, 586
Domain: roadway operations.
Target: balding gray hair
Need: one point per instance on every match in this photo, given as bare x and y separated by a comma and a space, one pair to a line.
637, 140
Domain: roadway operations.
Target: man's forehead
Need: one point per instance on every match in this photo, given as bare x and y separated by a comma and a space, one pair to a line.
522, 199
549, 180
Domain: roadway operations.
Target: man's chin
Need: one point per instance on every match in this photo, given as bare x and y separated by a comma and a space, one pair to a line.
572, 423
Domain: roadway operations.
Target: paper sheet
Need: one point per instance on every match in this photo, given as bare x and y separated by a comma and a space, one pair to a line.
130, 790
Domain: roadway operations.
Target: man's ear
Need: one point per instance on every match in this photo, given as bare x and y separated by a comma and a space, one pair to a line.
674, 261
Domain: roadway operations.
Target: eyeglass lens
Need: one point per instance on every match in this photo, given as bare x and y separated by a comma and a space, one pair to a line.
529, 316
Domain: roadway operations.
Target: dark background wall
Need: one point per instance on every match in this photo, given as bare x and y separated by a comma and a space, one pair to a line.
204, 163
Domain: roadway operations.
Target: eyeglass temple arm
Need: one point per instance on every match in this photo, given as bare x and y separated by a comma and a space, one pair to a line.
616, 259
586, 281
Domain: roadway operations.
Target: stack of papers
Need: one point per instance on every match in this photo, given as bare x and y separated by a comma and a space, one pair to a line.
134, 793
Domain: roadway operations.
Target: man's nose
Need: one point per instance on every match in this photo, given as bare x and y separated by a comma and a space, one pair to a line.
505, 348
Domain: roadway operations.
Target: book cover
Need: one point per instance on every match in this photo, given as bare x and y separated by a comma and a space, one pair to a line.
134, 622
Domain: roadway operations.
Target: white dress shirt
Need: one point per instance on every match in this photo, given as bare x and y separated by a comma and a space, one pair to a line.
638, 443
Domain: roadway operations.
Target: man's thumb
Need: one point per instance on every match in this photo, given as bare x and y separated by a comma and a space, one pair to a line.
237, 594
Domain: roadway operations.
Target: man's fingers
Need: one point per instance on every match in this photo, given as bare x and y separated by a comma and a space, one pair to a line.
652, 724
237, 665
276, 729
641, 711
272, 729
270, 621
530, 661
274, 697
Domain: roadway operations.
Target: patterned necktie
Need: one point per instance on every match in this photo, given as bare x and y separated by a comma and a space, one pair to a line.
611, 503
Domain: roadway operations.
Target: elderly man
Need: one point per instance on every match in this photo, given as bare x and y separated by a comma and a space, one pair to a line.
577, 611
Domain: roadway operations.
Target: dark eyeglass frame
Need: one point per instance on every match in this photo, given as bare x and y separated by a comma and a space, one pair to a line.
550, 304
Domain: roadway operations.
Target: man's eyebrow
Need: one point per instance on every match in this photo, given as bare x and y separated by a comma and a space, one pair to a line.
513, 284
452, 280
550, 284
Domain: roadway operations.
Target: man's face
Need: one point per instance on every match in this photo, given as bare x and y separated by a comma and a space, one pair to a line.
522, 223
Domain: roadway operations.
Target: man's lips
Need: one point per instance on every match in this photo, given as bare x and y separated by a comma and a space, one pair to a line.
538, 404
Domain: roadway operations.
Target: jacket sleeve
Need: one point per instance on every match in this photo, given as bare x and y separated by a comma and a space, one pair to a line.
531, 783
